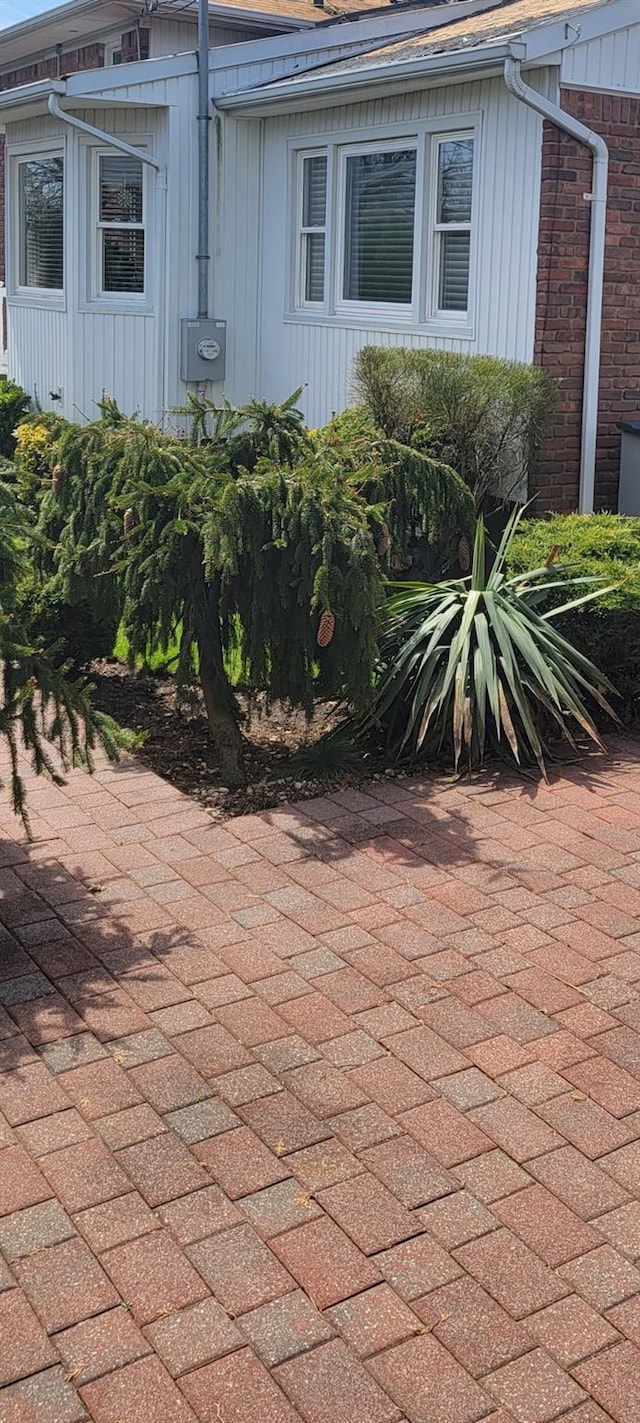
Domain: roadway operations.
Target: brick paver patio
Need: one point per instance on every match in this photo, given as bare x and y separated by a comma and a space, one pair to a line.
328, 1114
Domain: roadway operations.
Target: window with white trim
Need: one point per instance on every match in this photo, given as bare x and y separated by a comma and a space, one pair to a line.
120, 225
313, 227
40, 211
454, 169
385, 228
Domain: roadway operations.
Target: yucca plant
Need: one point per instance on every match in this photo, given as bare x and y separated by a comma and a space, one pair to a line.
477, 661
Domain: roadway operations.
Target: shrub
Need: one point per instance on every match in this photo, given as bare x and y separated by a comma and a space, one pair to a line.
13, 403
472, 662
482, 416
34, 456
608, 630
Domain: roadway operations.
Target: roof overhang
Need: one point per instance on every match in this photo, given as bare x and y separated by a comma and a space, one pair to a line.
31, 100
384, 77
70, 25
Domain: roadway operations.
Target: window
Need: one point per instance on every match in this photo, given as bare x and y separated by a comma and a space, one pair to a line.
453, 222
380, 191
41, 223
121, 234
313, 227
113, 53
385, 229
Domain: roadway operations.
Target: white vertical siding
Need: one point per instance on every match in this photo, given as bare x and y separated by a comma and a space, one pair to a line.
180, 37
611, 62
320, 353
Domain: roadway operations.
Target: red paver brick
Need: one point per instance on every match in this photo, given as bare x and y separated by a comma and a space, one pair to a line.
500, 1054
84, 1175
626, 1318
325, 1090
329, 1386
534, 1388
446, 1132
392, 1085
363, 1126
511, 1273
169, 1083
409, 1171
199, 1215
467, 1089
112, 1015
240, 1269
138, 1392
21, 1183
425, 1052
99, 1088
315, 1017
613, 1379
213, 1050
603, 1276
278, 1208
251, 1021
47, 1397
368, 1213
323, 1165
100, 1345
64, 1284
374, 1320
456, 1219
325, 1262
408, 1372
544, 991
473, 1326
534, 1084
588, 1126
130, 1126
24, 1347
516, 1129
240, 1163
579, 1182
417, 1266
248, 1083
46, 1020
609, 1085
492, 1176
570, 1330
29, 1093
49, 1134
162, 1168
193, 1336
113, 1222
282, 1121
237, 1389
153, 1276
285, 1327
621, 1228
547, 1225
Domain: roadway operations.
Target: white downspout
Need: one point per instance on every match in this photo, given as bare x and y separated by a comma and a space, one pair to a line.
595, 280
111, 140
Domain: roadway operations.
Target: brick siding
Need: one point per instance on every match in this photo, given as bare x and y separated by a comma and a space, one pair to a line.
135, 45
563, 256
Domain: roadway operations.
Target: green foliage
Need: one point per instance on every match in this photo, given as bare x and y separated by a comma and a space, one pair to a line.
41, 705
232, 546
329, 758
473, 662
481, 416
34, 456
13, 403
608, 630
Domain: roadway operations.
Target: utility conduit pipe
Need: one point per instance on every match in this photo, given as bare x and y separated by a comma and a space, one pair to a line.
595, 280
110, 140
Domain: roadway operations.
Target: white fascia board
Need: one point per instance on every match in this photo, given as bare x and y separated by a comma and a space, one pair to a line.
29, 94
112, 78
566, 33
331, 89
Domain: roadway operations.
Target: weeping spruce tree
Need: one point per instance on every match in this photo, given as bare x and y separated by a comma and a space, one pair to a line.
254, 544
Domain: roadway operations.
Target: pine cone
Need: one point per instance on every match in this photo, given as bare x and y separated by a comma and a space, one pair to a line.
464, 554
383, 541
129, 521
326, 629
56, 478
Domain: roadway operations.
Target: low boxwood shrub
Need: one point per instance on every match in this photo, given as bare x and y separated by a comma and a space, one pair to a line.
14, 401
608, 629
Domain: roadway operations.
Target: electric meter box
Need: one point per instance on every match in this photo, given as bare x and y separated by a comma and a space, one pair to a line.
203, 348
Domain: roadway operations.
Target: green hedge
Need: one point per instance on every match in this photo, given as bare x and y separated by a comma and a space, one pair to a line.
13, 403
607, 630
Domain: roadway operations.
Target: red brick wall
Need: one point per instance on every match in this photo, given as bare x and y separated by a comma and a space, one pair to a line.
135, 44
563, 255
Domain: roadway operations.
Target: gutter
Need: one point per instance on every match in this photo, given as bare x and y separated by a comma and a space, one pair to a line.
367, 75
595, 280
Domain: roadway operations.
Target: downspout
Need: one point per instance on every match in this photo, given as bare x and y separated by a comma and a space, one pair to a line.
203, 258
595, 280
111, 140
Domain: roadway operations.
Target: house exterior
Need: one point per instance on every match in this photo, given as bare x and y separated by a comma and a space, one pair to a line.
398, 175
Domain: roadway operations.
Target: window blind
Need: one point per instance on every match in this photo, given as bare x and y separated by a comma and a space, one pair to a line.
41, 207
455, 190
314, 213
121, 211
379, 223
